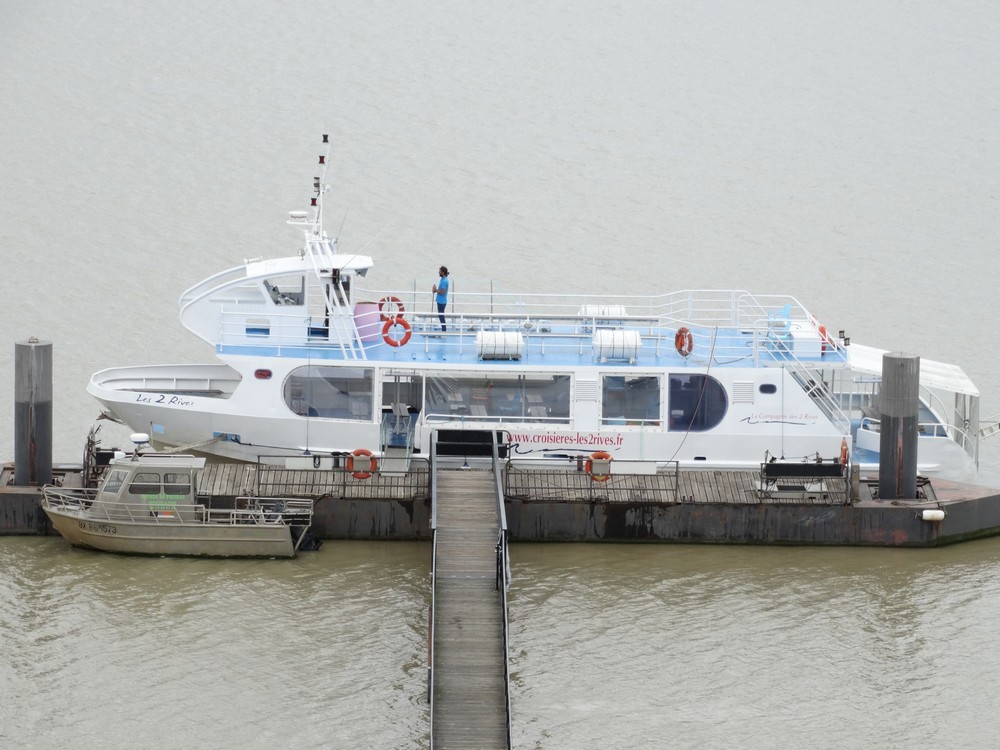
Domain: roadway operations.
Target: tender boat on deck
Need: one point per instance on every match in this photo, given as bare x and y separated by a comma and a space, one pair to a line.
147, 504
313, 361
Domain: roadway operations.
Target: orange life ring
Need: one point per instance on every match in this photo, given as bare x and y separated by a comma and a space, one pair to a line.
395, 301
399, 321
350, 463
597, 456
843, 452
683, 341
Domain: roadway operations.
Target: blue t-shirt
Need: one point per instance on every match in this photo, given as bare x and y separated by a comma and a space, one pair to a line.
442, 293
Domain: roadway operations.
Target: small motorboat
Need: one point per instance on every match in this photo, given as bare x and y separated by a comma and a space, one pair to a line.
147, 504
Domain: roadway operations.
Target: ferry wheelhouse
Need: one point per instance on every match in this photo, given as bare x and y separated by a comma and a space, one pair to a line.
313, 360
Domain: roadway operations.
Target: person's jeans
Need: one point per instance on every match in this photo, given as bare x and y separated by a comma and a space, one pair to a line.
441, 307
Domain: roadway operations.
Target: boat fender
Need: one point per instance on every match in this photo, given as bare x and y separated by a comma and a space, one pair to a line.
389, 324
843, 452
361, 474
683, 341
597, 456
396, 301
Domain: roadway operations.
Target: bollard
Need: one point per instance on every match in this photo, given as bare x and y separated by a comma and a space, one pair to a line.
32, 412
899, 407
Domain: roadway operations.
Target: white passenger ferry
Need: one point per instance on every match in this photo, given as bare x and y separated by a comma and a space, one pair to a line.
313, 360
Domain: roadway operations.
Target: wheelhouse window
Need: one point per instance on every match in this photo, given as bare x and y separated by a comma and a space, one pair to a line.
176, 484
696, 402
331, 392
145, 483
630, 399
114, 482
536, 397
286, 290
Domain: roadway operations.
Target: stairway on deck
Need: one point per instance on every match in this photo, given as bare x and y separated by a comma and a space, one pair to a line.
470, 704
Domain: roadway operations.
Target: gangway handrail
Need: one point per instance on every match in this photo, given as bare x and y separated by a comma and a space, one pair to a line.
503, 578
434, 557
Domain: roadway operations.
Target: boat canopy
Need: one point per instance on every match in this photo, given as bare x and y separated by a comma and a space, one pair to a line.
933, 374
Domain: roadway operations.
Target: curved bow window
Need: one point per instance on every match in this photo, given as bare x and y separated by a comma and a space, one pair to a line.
697, 403
332, 392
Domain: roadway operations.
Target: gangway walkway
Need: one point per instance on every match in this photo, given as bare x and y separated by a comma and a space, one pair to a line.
469, 677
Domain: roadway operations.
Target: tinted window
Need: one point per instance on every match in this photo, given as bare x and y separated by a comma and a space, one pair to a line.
145, 483
335, 392
629, 399
114, 482
176, 484
697, 402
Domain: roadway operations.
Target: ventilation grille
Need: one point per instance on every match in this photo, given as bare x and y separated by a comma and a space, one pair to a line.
586, 390
743, 392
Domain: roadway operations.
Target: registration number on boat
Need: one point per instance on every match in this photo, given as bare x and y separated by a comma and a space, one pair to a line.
99, 528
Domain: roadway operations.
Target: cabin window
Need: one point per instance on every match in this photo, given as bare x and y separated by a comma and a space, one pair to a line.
176, 484
630, 399
330, 392
145, 483
696, 402
286, 290
536, 397
114, 482
768, 388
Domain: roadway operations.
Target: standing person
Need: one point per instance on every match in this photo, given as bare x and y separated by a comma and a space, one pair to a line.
441, 290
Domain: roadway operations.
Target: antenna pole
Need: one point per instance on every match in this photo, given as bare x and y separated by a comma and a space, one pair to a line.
319, 186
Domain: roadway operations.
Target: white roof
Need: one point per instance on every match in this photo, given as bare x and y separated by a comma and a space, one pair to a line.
933, 374
297, 264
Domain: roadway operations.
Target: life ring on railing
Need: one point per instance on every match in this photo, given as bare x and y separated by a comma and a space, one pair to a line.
395, 301
683, 341
361, 452
843, 452
597, 456
398, 321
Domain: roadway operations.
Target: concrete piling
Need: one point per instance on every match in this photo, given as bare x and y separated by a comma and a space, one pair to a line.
32, 412
899, 407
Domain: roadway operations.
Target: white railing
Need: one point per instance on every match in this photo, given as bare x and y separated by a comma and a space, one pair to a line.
727, 326
936, 430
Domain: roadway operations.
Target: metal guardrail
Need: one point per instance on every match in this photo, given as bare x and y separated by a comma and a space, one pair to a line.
331, 477
541, 479
256, 511
720, 320
503, 579
434, 557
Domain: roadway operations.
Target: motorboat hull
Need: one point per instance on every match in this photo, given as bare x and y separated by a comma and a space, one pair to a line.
172, 538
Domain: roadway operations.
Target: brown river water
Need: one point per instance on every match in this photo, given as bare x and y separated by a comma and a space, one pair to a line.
845, 154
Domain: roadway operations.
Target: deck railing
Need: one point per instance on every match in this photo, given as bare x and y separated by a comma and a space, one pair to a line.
248, 511
541, 479
721, 322
330, 476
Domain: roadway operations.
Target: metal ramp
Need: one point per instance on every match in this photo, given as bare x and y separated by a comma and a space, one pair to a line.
469, 677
